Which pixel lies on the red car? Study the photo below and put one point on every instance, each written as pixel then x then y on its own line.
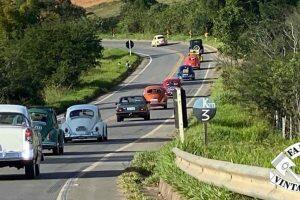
pixel 193 61
pixel 156 96
pixel 169 84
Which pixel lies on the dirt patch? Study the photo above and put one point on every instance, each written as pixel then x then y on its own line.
pixel 90 3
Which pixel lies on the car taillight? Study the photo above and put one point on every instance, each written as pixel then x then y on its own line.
pixel 120 110
pixel 143 109
pixel 28 135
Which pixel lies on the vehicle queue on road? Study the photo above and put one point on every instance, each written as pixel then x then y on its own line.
pixel 25 132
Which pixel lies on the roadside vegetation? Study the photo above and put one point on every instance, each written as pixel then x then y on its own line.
pixel 261 38
pixel 257 95
pixel 44 44
pixel 237 134
pixel 95 81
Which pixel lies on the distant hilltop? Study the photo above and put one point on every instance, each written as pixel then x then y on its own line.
pixel 90 3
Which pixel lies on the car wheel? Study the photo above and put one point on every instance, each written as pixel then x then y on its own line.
pixel 55 150
pixel 30 170
pixel 100 139
pixel 61 150
pixel 120 119
pixel 106 135
pixel 166 106
pixel 37 169
pixel 147 117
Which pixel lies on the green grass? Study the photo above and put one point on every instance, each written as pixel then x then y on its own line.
pixel 133 179
pixel 106 10
pixel 94 82
pixel 236 134
pixel 113 9
pixel 149 36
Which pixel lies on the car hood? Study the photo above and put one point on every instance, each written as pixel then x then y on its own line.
pixel 74 123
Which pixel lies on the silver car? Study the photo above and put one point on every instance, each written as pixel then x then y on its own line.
pixel 84 122
pixel 20 143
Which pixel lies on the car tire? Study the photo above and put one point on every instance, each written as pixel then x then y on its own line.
pixel 30 170
pixel 61 150
pixel 106 135
pixel 100 139
pixel 37 169
pixel 55 151
pixel 120 119
pixel 147 117
pixel 166 106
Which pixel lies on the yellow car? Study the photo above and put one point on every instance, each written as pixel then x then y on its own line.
pixel 159 40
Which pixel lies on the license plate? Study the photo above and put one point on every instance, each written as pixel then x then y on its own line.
pixel 131 108
pixel 185 71
pixel 154 100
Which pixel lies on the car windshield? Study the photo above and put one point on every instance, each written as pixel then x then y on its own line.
pixel 13 119
pixel 160 37
pixel 132 100
pixel 39 117
pixel 82 113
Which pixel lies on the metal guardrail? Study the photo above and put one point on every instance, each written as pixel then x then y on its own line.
pixel 247 180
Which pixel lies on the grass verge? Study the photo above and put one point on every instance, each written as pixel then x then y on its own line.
pixel 236 134
pixel 149 36
pixel 94 82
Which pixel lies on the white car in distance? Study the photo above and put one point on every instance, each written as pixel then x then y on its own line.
pixel 20 143
pixel 159 40
pixel 84 122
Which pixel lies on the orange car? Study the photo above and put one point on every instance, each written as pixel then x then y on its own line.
pixel 193 61
pixel 156 96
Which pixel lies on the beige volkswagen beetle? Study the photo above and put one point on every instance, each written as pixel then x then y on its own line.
pixel 159 40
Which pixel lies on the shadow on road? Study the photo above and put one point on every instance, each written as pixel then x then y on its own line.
pixel 149 123
pixel 64 175
pixel 88 159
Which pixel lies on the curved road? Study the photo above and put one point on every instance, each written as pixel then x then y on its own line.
pixel 88 170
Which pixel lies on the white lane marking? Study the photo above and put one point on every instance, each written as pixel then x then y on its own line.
pixel 65 189
pixel 129 82
pixel 124 86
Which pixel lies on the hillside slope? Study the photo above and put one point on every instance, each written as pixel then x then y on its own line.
pixel 90 3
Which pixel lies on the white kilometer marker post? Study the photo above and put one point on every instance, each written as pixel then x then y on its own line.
pixel 180 115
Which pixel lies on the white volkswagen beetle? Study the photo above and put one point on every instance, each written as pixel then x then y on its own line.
pixel 159 40
pixel 84 122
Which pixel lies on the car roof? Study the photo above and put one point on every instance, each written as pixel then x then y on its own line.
pixel 184 66
pixel 200 40
pixel 153 87
pixel 172 79
pixel 132 96
pixel 13 109
pixel 83 106
pixel 42 109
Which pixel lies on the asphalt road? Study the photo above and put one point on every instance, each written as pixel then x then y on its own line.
pixel 88 170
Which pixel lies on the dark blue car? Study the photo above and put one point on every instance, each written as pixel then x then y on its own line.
pixel 186 72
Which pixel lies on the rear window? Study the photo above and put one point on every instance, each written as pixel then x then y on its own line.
pixel 39 117
pixel 130 100
pixel 13 119
pixel 154 91
pixel 173 83
pixel 82 113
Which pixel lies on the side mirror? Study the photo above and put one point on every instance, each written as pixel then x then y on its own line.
pixel 116 103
